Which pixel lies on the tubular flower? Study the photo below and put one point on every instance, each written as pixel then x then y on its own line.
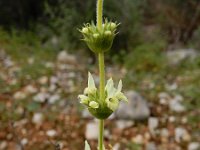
pixel 103 108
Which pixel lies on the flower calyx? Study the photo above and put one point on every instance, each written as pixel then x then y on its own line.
pixel 99 40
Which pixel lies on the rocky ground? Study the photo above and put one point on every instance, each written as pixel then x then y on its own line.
pixel 44 113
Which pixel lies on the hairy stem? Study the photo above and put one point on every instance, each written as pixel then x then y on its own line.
pixel 101 130
pixel 101 73
pixel 102 92
pixel 101 76
pixel 99 14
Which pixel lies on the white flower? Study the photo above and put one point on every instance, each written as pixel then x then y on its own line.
pixel 84 99
pixel 91 98
pixel 114 95
pixel 91 89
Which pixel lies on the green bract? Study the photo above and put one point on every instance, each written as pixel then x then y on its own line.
pixel 102 108
pixel 99 40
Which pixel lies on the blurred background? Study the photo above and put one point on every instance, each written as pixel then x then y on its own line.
pixel 44 65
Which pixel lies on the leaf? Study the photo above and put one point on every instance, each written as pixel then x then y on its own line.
pixel 87 146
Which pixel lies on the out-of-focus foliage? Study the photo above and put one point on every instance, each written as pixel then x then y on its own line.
pixel 56 21
pixel 147 57
pixel 179 18
pixel 20 13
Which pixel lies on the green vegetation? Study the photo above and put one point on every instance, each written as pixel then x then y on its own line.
pixel 27 50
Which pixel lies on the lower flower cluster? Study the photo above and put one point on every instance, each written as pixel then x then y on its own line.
pixel 102 108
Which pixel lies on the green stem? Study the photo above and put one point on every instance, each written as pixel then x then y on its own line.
pixel 101 130
pixel 99 14
pixel 101 76
pixel 101 73
pixel 102 92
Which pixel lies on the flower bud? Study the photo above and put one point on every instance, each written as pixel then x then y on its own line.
pixel 85 30
pixel 113 25
pixel 84 99
pixel 96 35
pixel 108 33
pixel 94 104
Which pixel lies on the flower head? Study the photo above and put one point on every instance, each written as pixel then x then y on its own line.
pixel 105 107
pixel 99 40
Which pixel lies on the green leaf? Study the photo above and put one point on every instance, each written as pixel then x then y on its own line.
pixel 87 146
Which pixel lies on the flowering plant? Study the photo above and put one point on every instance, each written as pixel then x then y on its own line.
pixel 102 102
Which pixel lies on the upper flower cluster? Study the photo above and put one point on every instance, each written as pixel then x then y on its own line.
pixel 102 108
pixel 99 40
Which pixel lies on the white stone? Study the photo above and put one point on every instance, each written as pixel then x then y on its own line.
pixel 176 56
pixel 164 132
pixel 38 118
pixel 41 97
pixel 24 141
pixel 30 89
pixel 19 95
pixel 136 109
pixel 64 57
pixel 122 124
pixel 53 99
pixel 151 146
pixel 91 132
pixel 178 98
pixel 194 146
pixel 171 87
pixel 164 98
pixel 184 120
pixel 31 60
pixel 181 134
pixel 163 101
pixel 116 146
pixel 3 145
pixel 176 106
pixel 54 80
pixel 20 110
pixel 138 139
pixel 49 65
pixel 8 62
pixel 86 114
pixel 52 88
pixel 172 119
pixel 43 80
pixel 51 133
pixel 153 124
